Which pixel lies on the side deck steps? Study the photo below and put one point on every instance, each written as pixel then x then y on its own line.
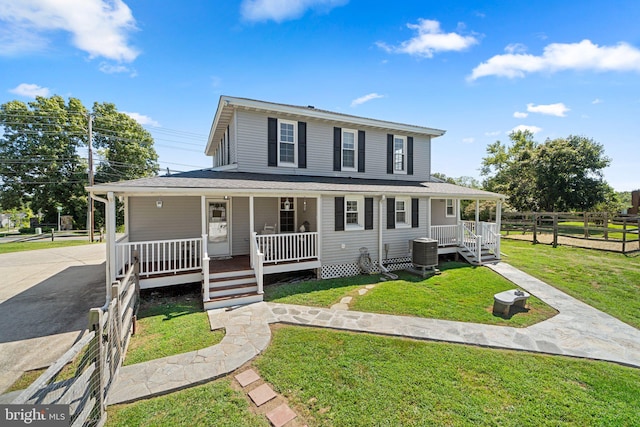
pixel 487 257
pixel 232 288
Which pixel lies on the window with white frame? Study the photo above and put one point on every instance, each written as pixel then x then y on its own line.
pixel 402 208
pixel 287 139
pixel 451 208
pixel 399 154
pixel 349 149
pixel 354 213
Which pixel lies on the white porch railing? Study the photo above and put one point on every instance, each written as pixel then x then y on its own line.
pixel 491 237
pixel 471 241
pixel 160 256
pixel 446 235
pixel 287 247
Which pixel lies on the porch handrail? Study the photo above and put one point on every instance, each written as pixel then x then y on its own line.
pixel 257 261
pixel 491 237
pixel 161 256
pixel 287 247
pixel 205 269
pixel 446 235
pixel 471 241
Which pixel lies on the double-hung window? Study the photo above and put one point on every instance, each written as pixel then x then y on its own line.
pixel 451 208
pixel 349 149
pixel 399 154
pixel 354 213
pixel 402 216
pixel 287 139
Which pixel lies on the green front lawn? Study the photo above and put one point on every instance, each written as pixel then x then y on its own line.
pixel 169 325
pixel 607 281
pixel 31 246
pixel 462 292
pixel 343 379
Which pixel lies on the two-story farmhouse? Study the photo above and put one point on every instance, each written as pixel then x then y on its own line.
pixel 291 188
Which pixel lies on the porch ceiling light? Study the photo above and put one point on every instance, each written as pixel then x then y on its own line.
pixel 159 204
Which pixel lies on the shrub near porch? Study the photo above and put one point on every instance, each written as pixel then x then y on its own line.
pixel 461 293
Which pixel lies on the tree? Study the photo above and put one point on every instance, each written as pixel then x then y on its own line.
pixel 43 161
pixel 39 161
pixel 563 174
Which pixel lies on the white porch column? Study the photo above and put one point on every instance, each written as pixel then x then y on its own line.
pixel 498 225
pixel 380 229
pixel 478 231
pixel 203 213
pixel 126 214
pixel 252 234
pixel 110 214
pixel 319 225
pixel 429 217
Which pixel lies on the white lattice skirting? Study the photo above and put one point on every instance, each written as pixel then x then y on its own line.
pixel 349 270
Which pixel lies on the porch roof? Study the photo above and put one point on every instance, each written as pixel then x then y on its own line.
pixel 215 182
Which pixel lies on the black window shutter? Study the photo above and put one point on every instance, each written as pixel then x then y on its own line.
pixel 389 153
pixel 302 145
pixel 361 146
pixel 391 212
pixel 410 155
pixel 339 216
pixel 368 213
pixel 414 213
pixel 272 142
pixel 337 149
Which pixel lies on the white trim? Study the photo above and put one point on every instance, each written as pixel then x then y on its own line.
pixel 360 211
pixel 229 167
pixel 446 208
pixel 294 124
pixel 404 155
pixel 407 212
pixel 353 168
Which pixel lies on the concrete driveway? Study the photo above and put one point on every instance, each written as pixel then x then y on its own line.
pixel 45 297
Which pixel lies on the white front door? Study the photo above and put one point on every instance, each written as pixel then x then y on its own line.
pixel 218 228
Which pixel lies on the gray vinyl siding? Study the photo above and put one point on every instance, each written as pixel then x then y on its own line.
pixel 398 238
pixel 332 252
pixel 179 218
pixel 265 212
pixel 251 140
pixel 233 154
pixel 439 213
pixel 240 226
pixel 309 215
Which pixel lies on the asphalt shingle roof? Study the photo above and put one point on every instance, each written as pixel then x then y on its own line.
pixel 246 182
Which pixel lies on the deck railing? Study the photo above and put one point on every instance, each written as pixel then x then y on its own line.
pixel 446 235
pixel 469 240
pixel 491 237
pixel 160 256
pixel 289 247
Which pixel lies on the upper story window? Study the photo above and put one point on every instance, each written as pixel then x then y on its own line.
pixel 349 149
pixel 402 216
pixel 287 140
pixel 399 154
pixel 451 208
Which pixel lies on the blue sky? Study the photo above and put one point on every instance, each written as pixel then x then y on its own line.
pixel 477 69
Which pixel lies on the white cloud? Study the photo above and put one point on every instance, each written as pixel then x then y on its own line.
pixel 520 115
pixel 142 119
pixel 283 10
pixel 562 56
pixel 558 110
pixel 429 40
pixel 366 98
pixel 469 140
pixel 29 90
pixel 492 133
pixel 515 48
pixel 597 101
pixel 532 129
pixel 98 27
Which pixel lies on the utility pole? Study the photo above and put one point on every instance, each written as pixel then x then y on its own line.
pixel 90 210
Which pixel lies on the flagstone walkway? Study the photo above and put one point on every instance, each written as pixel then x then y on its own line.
pixel 578 330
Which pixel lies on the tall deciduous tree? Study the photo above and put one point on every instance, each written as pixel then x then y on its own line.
pixel 43 159
pixel 562 174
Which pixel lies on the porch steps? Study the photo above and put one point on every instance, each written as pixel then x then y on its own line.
pixel 486 256
pixel 231 288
